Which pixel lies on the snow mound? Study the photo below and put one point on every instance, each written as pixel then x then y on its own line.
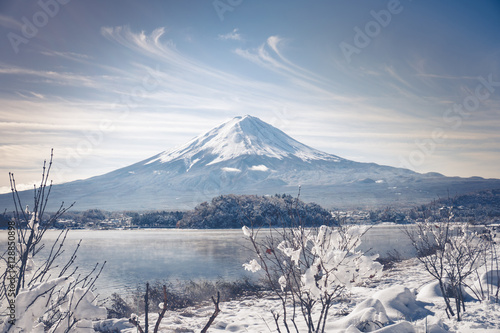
pixel 112 325
pixel 386 306
pixel 401 327
pixel 433 325
pixel 490 279
pixel 432 293
pixel 400 302
pixel 369 315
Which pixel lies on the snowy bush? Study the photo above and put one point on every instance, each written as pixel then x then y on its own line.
pixel 313 267
pixel 43 298
pixel 452 253
pixel 56 306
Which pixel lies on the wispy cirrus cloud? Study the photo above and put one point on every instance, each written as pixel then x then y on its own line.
pixel 269 56
pixel 10 23
pixel 233 35
pixel 191 95
pixel 52 76
pixel 30 94
pixel 237 88
pixel 67 55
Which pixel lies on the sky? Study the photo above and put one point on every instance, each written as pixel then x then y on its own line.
pixel 412 84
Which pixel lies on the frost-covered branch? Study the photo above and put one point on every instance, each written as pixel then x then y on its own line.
pixel 43 303
pixel 452 253
pixel 312 266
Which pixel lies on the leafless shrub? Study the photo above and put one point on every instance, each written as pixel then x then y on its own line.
pixel 181 295
pixel 163 309
pixel 314 266
pixel 451 252
pixel 61 287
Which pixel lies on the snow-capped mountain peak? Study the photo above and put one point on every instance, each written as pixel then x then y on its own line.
pixel 245 155
pixel 241 136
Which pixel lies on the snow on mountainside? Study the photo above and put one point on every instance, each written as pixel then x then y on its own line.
pixel 238 137
pixel 248 156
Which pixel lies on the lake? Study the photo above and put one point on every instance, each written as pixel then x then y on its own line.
pixel 136 256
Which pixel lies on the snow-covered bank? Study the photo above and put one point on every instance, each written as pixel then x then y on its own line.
pixel 401 301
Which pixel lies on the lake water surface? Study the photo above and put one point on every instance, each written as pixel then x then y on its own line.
pixel 136 256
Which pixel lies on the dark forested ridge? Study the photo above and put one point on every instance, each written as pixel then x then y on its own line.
pixel 233 211
pixel 477 208
pixel 163 219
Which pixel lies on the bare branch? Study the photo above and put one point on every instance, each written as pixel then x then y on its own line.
pixel 214 315
pixel 162 313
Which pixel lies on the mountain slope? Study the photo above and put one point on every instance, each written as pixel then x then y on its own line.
pixel 248 156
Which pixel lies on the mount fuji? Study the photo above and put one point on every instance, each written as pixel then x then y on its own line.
pixel 248 156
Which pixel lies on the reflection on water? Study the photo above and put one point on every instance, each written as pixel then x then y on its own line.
pixel 136 256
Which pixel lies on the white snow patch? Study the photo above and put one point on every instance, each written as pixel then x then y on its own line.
pixel 191 164
pixel 227 169
pixel 489 280
pixel 260 167
pixel 431 292
pixel 368 315
pixel 246 231
pixel 400 302
pixel 34 303
pixel 253 266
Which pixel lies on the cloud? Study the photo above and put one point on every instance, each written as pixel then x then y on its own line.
pixel 37 95
pixel 142 43
pixel 447 77
pixel 186 85
pixel 67 55
pixel 10 23
pixel 19 187
pixel 53 77
pixel 270 56
pixel 30 94
pixel 233 35
pixel 371 112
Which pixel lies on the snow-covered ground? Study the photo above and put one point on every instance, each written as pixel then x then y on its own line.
pixel 403 299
